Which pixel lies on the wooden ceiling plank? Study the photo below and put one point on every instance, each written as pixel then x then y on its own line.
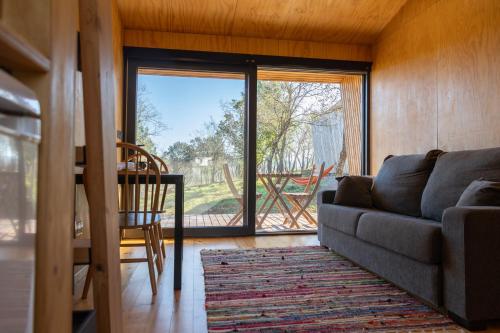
pixel 336 21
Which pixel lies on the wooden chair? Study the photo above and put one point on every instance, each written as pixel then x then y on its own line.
pixel 139 205
pixel 311 180
pixel 300 201
pixel 161 209
pixel 236 194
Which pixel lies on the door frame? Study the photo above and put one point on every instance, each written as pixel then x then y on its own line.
pixel 135 57
pixel 132 67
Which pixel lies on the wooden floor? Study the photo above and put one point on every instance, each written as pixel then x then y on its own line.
pixel 273 222
pixel 180 312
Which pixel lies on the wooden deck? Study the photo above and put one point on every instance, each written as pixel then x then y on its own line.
pixel 273 222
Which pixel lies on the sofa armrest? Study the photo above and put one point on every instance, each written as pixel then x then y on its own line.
pixel 471 262
pixel 325 197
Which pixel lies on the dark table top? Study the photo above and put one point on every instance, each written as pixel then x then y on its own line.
pixel 170 178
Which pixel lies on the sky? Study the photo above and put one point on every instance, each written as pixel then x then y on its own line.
pixel 186 104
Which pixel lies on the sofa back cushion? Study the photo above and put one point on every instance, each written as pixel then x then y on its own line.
pixel 481 193
pixel 354 191
pixel 400 182
pixel 453 173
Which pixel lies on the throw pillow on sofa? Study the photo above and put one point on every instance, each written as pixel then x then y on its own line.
pixel 452 174
pixel 354 191
pixel 481 193
pixel 400 182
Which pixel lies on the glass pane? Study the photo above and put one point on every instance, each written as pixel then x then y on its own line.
pixel 308 133
pixel 195 121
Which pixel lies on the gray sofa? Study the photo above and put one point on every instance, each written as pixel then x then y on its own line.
pixel 448 256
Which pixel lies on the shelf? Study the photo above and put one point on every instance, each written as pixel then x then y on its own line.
pixel 19 54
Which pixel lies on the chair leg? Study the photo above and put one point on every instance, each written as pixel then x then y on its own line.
pixel 158 245
pixel 88 279
pixel 293 218
pixel 309 218
pixel 301 209
pixel 162 241
pixel 151 266
pixel 156 248
pixel 235 218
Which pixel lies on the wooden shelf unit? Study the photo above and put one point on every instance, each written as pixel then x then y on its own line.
pixel 18 54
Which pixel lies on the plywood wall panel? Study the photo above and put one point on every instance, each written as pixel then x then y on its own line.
pixel 245 45
pixel 404 102
pixel 435 79
pixel 469 75
pixel 118 64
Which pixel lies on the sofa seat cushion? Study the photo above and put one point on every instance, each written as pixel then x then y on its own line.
pixel 453 173
pixel 413 237
pixel 341 218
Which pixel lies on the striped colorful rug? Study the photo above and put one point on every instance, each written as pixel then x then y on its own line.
pixel 306 289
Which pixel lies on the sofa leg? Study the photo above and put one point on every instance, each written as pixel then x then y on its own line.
pixel 471 325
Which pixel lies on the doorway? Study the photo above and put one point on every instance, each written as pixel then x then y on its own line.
pixel 212 117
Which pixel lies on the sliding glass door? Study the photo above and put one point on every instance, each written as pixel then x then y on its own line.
pixel 309 132
pixel 256 137
pixel 195 119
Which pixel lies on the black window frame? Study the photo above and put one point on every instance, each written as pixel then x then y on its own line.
pixel 136 57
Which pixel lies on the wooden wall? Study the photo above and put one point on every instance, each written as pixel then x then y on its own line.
pixel 118 79
pixel 246 45
pixel 435 79
pixel 118 64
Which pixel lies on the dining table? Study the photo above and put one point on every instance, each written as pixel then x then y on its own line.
pixel 274 183
pixel 165 178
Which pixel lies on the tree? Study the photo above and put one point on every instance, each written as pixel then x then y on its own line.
pixel 232 127
pixel 180 152
pixel 283 108
pixel 148 121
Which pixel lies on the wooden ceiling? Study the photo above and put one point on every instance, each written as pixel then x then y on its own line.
pixel 338 21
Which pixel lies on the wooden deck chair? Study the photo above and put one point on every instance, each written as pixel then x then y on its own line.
pixel 300 201
pixel 312 180
pixel 239 197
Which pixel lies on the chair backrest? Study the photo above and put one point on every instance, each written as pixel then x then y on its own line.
pixel 311 179
pixel 163 170
pixel 318 180
pixel 229 181
pixel 136 198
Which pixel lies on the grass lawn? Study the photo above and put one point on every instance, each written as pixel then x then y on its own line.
pixel 216 198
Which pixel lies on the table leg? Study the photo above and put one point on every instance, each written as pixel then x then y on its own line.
pixel 275 193
pixel 271 193
pixel 282 202
pixel 178 234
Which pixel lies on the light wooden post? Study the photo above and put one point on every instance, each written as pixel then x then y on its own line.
pixel 98 96
pixel 55 89
pixel 351 99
